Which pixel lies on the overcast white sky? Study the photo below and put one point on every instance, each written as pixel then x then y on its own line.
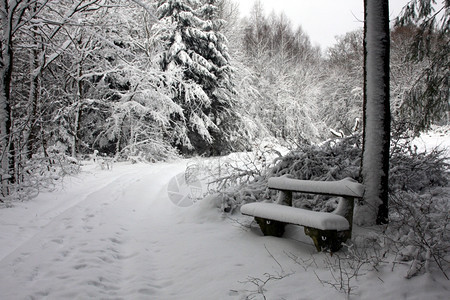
pixel 322 20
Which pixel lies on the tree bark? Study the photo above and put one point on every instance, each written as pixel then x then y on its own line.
pixel 33 99
pixel 375 161
pixel 78 111
pixel 6 65
pixel 33 96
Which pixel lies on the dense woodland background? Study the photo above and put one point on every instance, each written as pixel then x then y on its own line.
pixel 152 80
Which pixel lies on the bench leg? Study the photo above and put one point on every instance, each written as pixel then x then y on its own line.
pixel 271 227
pixel 330 240
pixel 285 198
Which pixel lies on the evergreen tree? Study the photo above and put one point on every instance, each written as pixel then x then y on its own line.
pixel 189 31
pixel 428 100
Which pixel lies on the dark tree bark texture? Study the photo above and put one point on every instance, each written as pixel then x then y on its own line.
pixel 375 162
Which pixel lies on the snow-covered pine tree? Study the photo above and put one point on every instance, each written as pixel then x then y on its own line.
pixel 189 30
pixel 221 92
pixel 427 100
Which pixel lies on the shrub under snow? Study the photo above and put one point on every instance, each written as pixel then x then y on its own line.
pixel 419 208
pixel 332 160
pixel 419 229
pixel 39 173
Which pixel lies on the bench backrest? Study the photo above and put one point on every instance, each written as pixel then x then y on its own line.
pixel 347 187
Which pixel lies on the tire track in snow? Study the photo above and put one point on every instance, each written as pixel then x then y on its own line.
pixel 90 250
pixel 140 277
pixel 42 217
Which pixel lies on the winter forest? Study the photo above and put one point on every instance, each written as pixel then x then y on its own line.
pixel 245 98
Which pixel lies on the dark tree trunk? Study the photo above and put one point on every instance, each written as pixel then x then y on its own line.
pixel 33 96
pixel 375 162
pixel 6 65
pixel 33 99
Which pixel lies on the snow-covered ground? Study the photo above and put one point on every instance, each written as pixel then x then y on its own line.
pixel 116 234
pixel 436 137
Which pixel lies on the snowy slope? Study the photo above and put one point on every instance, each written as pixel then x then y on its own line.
pixel 116 235
pixel 437 137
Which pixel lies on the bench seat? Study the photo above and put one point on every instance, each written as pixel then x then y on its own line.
pixel 327 230
pixel 296 216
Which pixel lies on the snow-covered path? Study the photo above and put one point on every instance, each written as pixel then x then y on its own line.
pixel 116 235
pixel 97 246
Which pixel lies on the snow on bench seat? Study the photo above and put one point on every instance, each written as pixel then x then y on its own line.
pixel 297 216
pixel 344 187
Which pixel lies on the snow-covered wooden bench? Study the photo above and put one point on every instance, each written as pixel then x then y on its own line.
pixel 327 230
